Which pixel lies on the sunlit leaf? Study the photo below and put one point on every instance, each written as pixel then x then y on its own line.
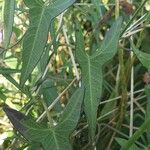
pixel 35 39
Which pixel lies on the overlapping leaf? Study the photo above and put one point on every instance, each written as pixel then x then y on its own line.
pixel 9 10
pixel 56 137
pixel 91 67
pixel 35 39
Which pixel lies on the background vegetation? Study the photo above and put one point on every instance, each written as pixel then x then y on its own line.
pixel 75 74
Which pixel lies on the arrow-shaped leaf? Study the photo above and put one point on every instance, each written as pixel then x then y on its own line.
pixel 91 67
pixel 40 16
pixel 56 137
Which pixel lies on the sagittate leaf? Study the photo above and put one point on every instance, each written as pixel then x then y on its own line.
pixel 40 17
pixel 144 58
pixel 56 137
pixel 9 10
pixel 91 67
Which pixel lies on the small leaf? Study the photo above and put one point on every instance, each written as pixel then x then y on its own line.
pixel 147 91
pixel 143 57
pixel 35 39
pixel 9 10
pixel 91 67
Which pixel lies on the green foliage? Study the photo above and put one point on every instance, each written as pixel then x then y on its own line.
pixel 92 70
pixel 35 39
pixel 143 57
pixel 71 73
pixel 55 137
pixel 123 142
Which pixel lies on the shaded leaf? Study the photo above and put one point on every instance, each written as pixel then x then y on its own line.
pixel 9 10
pixel 36 36
pixel 143 57
pixel 4 70
pixel 122 142
pixel 15 118
pixel 136 135
pixel 49 92
pixel 91 67
pixel 147 91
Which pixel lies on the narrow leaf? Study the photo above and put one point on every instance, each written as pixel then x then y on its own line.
pixel 123 142
pixel 4 70
pixel 9 10
pixel 147 91
pixel 143 57
pixel 136 135
pixel 35 39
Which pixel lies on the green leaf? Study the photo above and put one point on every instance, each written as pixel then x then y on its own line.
pixel 147 91
pixel 4 70
pixel 143 57
pixel 49 92
pixel 91 67
pixel 123 142
pixel 71 113
pixel 136 135
pixel 24 90
pixel 9 10
pixel 35 39
pixel 56 137
pixel 2 95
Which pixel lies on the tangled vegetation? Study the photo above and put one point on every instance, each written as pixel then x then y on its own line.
pixel 75 74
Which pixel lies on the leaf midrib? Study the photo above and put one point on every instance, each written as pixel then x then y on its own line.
pixel 37 30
